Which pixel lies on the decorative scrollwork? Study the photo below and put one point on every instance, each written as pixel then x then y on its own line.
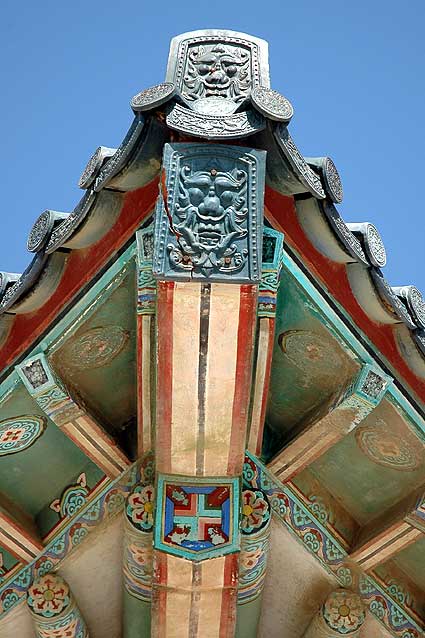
pixel 415 302
pixel 272 104
pixel 301 169
pixel 214 127
pixel 40 232
pixel 153 97
pixel 94 165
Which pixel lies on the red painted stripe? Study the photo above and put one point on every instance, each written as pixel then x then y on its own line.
pixel 266 385
pixel 243 378
pixel 280 211
pixel 82 265
pixel 164 404
pixel 229 598
pixel 139 372
pixel 159 595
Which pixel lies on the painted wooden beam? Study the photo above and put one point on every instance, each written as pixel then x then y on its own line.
pixel 354 404
pixel 146 310
pixel 342 613
pixel 138 561
pixel 72 418
pixel 18 534
pixel 266 313
pixel 54 610
pixel 387 536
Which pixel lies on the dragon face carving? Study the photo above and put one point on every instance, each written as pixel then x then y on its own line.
pixel 212 207
pixel 218 70
pixel 209 213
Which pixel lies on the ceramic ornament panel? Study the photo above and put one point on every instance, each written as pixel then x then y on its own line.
pixel 197 518
pixel 209 215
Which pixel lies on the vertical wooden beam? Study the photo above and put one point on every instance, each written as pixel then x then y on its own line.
pixel 266 313
pixel 72 419
pixel 146 310
pixel 354 404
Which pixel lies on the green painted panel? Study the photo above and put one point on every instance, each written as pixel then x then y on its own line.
pixel 248 618
pixel 412 561
pixel 33 477
pixel 98 361
pixel 136 617
pixel 375 466
pixel 310 365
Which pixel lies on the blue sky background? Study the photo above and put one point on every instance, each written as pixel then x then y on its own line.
pixel 353 70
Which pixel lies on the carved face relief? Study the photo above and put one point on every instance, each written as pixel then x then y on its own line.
pixel 212 206
pixel 209 213
pixel 217 70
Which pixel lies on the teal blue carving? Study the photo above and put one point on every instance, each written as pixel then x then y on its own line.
pixel 197 518
pixel 20 432
pixel 271 266
pixel 209 216
pixel 146 283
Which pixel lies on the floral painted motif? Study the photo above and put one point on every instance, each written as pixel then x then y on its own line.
pixel 387 448
pixel 19 433
pixel 73 498
pixel 95 347
pixel 343 612
pixel 48 596
pixel 140 507
pixel 255 511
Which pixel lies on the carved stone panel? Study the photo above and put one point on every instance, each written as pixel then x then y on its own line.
pixel 217 63
pixel 209 216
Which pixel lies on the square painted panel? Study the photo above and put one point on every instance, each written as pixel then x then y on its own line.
pixel 197 518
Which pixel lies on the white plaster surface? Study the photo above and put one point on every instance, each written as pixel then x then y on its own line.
pixel 296 585
pixel 93 572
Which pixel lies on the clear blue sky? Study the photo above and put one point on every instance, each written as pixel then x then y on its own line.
pixel 353 70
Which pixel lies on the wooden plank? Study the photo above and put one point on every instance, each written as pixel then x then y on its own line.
pixel 18 538
pixel 387 536
pixel 57 403
pixel 355 403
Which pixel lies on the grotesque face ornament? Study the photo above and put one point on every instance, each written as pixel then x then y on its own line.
pixel 212 209
pixel 217 64
pixel 217 70
pixel 209 213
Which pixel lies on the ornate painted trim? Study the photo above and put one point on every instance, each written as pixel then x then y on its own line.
pixel 272 256
pixel 209 215
pixel 108 503
pixel 138 542
pixel 214 127
pixel 146 282
pixel 322 545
